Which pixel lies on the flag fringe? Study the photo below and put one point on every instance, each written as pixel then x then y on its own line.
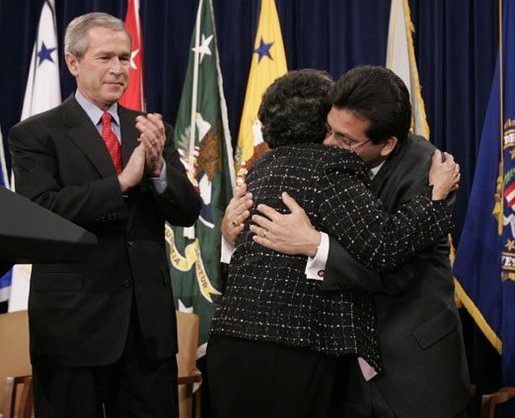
pixel 478 317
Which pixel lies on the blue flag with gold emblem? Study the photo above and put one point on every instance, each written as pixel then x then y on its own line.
pixel 485 259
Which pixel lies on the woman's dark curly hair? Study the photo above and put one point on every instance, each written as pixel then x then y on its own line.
pixel 294 108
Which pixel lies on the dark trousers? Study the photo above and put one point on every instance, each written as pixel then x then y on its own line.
pixel 361 399
pixel 251 379
pixel 135 386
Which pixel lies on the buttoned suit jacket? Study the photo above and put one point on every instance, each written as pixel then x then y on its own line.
pixel 79 313
pixel 425 371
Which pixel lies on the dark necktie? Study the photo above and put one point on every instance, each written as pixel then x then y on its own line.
pixel 112 143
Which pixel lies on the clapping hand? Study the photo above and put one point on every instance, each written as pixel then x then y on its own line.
pixel 153 139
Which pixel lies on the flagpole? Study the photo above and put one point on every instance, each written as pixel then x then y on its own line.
pixel 194 91
pixel 225 121
pixel 501 105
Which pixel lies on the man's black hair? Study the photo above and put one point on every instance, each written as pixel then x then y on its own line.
pixel 380 96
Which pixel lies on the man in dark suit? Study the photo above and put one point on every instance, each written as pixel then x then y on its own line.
pixel 103 332
pixel 425 372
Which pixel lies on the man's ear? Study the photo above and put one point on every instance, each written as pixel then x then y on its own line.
pixel 71 62
pixel 388 146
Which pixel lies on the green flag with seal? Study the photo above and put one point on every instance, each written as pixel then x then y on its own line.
pixel 204 143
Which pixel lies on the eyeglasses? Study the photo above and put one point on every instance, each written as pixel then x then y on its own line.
pixel 351 145
pixel 345 141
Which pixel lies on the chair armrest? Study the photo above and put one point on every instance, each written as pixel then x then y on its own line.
pixel 194 377
pixel 490 400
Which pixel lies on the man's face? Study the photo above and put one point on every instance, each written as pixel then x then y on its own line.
pixel 102 74
pixel 347 130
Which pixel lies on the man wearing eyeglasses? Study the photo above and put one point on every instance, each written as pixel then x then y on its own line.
pixel 425 372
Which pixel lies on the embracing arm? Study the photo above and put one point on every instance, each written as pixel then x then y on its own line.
pixel 237 211
pixel 293 234
pixel 379 240
pixel 343 271
pixel 337 269
pixel 353 216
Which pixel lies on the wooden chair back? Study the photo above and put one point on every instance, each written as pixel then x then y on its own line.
pixel 14 359
pixel 19 397
pixel 189 375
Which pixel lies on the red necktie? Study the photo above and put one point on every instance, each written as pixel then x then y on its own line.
pixel 112 143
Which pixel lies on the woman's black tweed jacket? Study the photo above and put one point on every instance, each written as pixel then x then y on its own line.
pixel 269 298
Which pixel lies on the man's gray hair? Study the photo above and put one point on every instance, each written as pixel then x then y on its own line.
pixel 76 40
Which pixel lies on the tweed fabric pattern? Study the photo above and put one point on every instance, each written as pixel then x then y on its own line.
pixel 269 298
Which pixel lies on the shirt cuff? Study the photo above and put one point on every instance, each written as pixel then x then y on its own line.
pixel 315 266
pixel 227 251
pixel 160 182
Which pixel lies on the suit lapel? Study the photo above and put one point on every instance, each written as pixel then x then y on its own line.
pixel 388 183
pixel 378 181
pixel 385 183
pixel 85 135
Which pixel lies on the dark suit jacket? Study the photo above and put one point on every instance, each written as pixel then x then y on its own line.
pixel 268 297
pixel 425 371
pixel 79 313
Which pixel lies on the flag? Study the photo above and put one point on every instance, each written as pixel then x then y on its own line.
pixel 134 98
pixel 268 63
pixel 204 143
pixel 43 92
pixel 5 286
pixel 400 58
pixel 485 259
